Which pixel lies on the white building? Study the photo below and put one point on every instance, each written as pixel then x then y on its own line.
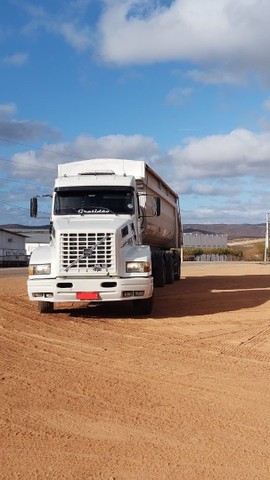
pixel 36 239
pixel 12 248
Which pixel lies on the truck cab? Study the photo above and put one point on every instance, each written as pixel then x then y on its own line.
pixel 95 252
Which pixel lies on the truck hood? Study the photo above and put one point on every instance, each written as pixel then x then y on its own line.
pixel 90 223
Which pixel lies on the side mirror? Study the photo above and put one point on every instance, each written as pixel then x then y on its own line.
pixel 33 207
pixel 158 206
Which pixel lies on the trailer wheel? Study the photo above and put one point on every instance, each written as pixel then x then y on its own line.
pixel 159 270
pixel 143 306
pixel 177 271
pixel 169 268
pixel 45 307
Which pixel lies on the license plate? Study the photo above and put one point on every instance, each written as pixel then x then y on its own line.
pixel 87 295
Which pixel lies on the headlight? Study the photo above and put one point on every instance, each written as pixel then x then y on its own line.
pixel 137 267
pixel 39 269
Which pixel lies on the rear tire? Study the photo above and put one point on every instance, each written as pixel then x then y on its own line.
pixel 45 307
pixel 143 306
pixel 169 268
pixel 177 270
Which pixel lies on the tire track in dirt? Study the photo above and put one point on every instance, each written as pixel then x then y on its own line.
pixel 97 394
pixel 255 346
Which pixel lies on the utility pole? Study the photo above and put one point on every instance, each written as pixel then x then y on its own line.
pixel 266 244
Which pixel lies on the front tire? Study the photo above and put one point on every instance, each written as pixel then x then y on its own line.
pixel 45 307
pixel 159 269
pixel 143 306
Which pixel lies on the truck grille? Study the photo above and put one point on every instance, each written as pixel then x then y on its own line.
pixel 84 252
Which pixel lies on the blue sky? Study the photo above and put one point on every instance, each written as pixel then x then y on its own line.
pixel 181 84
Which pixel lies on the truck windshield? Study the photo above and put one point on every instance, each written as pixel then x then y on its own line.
pixel 82 202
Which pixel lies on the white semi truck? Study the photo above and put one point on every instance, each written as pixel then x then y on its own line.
pixel 115 234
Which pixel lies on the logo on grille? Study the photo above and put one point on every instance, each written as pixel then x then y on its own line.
pixel 100 266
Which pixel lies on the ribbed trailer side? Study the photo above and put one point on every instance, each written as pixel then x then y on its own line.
pixel 163 231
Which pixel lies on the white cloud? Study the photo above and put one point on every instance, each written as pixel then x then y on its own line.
pixel 69 23
pixel 119 146
pixel 16 60
pixel 213 189
pixel 230 34
pixel 215 76
pixel 239 214
pixel 38 166
pixel 266 104
pixel 177 96
pixel 28 164
pixel 219 177
pixel 7 109
pixel 238 153
pixel 25 130
pixel 78 37
pixel 13 130
pixel 226 39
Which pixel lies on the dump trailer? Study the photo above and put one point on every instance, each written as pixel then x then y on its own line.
pixel 115 235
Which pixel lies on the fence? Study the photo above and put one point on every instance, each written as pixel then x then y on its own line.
pixel 14 260
pixel 211 257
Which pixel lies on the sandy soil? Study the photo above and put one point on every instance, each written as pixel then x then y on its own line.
pixel 96 394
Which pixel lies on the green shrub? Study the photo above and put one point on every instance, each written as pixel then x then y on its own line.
pixel 190 253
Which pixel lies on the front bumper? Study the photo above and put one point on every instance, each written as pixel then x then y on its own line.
pixel 108 290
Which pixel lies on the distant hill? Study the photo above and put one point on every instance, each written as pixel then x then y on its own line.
pixel 232 231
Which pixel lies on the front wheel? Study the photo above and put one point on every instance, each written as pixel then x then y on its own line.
pixel 45 307
pixel 159 269
pixel 143 306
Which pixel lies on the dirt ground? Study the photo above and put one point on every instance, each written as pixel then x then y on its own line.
pixel 96 394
